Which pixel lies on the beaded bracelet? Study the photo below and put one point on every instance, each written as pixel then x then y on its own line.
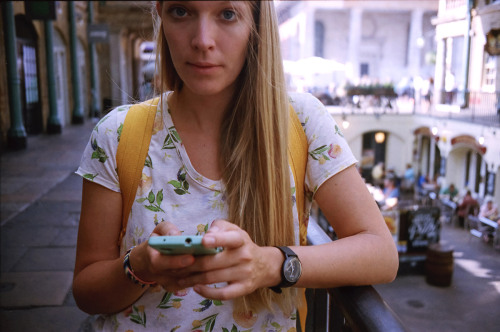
pixel 130 273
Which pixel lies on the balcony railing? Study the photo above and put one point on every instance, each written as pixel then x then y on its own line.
pixel 452 4
pixel 473 107
pixel 357 308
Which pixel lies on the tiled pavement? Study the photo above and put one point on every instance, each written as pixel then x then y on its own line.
pixel 40 206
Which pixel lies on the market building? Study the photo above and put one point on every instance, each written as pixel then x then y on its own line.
pixel 449 135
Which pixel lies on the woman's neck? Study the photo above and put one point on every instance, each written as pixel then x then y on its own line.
pixel 202 113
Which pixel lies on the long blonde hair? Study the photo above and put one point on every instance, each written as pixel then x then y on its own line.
pixel 254 138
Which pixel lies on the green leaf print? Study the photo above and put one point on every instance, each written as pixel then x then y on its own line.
pixel 89 176
pixel 181 186
pixel 206 303
pixel 138 316
pixel 148 162
pixel 175 183
pixel 98 153
pixel 166 303
pixel 208 322
pixel 234 329
pixel 154 200
pixel 172 137
pixel 337 131
pixel 159 197
pixel 319 153
pixel 151 197
pixel 119 131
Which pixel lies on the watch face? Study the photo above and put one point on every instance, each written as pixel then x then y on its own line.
pixel 292 269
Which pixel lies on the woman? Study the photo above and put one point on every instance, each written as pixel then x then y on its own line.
pixel 221 129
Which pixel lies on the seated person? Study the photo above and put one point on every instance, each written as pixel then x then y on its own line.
pixel 451 192
pixel 408 178
pixel 466 207
pixel 391 193
pixel 489 210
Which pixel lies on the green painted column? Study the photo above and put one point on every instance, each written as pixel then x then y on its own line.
pixel 16 135
pixel 53 123
pixel 75 74
pixel 94 103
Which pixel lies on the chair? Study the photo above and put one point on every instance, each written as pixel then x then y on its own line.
pixel 470 210
pixel 474 226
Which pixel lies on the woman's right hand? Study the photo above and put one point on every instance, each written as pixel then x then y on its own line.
pixel 150 265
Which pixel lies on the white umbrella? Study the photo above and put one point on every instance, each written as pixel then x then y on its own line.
pixel 313 65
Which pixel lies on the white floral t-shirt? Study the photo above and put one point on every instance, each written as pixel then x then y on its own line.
pixel 172 190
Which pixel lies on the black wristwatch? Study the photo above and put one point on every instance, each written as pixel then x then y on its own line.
pixel 290 271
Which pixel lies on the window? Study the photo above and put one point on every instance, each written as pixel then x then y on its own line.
pixel 489 73
pixel 364 69
pixel 319 39
pixel 30 74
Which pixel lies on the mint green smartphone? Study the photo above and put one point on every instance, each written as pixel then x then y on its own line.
pixel 181 245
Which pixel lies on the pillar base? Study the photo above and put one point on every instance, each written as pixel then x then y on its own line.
pixel 77 119
pixel 17 142
pixel 54 128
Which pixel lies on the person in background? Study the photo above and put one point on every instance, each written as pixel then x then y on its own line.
pixel 451 192
pixel 378 174
pixel 489 210
pixel 466 207
pixel 218 167
pixel 391 192
pixel 408 178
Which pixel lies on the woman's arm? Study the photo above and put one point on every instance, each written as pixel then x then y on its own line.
pixel 365 252
pixel 100 284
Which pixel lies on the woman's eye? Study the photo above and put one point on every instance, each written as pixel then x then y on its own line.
pixel 178 11
pixel 229 15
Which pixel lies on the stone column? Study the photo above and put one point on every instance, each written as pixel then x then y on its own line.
pixel 414 48
pixel 75 74
pixel 16 135
pixel 354 43
pixel 95 110
pixel 53 123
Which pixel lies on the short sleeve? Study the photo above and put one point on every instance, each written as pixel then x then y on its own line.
pixel 98 163
pixel 328 151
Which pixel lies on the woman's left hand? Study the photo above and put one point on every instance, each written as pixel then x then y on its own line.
pixel 243 265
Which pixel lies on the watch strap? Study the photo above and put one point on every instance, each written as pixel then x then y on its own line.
pixel 284 283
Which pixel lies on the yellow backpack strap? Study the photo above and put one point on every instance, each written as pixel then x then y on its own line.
pixel 297 157
pixel 132 152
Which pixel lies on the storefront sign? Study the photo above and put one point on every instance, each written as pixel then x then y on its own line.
pixel 470 141
pixel 98 33
pixel 492 45
pixel 421 228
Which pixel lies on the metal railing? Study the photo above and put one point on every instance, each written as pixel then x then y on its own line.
pixel 358 308
pixel 473 107
pixel 476 107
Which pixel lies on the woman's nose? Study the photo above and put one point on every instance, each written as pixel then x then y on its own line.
pixel 204 38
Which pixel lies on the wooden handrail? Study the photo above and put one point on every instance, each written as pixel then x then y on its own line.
pixel 354 308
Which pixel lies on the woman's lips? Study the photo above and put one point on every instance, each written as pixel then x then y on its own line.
pixel 203 67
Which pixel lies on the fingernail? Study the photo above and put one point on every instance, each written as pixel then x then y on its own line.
pixel 209 240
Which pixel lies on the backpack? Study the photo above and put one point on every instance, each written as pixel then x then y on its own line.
pixel 133 149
